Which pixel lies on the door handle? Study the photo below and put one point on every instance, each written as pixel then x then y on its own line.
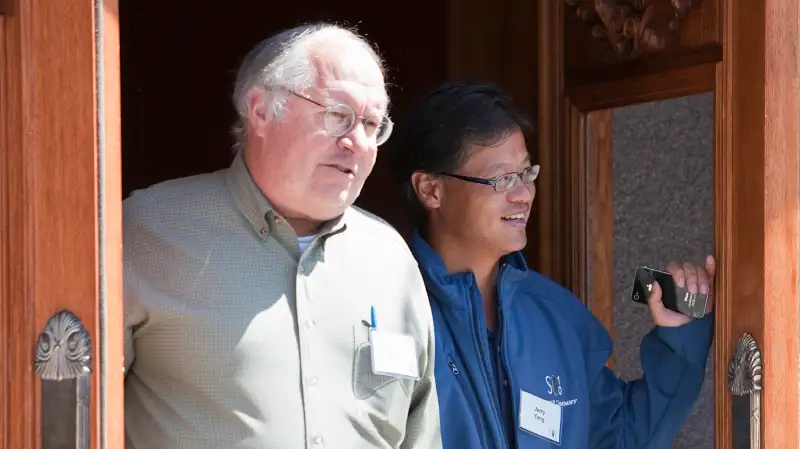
pixel 63 361
pixel 744 378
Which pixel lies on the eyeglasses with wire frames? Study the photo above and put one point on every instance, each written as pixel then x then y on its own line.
pixel 503 182
pixel 339 119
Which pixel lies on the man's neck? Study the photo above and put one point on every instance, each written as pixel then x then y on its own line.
pixel 304 228
pixel 459 258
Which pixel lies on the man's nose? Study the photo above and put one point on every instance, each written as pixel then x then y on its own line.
pixel 356 140
pixel 521 192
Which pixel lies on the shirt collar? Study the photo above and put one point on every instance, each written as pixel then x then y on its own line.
pixel 256 208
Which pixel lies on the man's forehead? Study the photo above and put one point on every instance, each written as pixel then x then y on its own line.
pixel 373 98
pixel 348 72
pixel 507 155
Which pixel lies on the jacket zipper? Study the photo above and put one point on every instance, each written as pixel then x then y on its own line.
pixel 503 359
pixel 473 405
pixel 485 374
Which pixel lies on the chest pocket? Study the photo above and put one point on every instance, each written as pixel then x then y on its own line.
pixel 383 398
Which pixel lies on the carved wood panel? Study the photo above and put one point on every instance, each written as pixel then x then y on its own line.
pixel 634 28
pixel 612 39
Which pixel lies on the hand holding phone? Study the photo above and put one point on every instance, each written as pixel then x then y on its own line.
pixel 675 298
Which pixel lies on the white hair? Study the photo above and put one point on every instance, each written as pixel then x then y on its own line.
pixel 281 64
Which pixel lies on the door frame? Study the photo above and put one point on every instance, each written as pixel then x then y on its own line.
pixel 60 205
pixel 753 72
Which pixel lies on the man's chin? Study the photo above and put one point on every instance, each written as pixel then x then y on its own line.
pixel 517 243
pixel 326 209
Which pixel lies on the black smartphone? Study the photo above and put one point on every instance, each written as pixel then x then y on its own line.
pixel 675 298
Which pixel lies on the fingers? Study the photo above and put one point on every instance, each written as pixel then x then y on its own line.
pixel 691 277
pixel 702 281
pixel 711 268
pixel 694 279
pixel 654 300
pixel 677 274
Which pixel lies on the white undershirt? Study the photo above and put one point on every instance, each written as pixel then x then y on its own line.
pixel 303 242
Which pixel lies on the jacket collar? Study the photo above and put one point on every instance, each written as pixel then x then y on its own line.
pixel 453 290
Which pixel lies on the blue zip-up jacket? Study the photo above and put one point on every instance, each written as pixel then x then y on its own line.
pixel 551 347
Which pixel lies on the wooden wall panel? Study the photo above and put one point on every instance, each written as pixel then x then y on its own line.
pixel 52 177
pixel 757 189
pixel 656 86
pixel 5 386
pixel 552 217
pixel 575 201
pixel 110 306
pixel 18 288
pixel 600 211
pixel 494 41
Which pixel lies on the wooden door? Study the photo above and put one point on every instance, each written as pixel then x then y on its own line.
pixel 594 56
pixel 60 245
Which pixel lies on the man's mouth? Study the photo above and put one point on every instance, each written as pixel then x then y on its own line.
pixel 514 218
pixel 343 169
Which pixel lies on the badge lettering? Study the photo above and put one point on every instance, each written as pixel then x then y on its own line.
pixel 540 417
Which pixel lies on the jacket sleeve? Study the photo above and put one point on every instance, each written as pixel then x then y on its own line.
pixel 649 412
pixel 422 426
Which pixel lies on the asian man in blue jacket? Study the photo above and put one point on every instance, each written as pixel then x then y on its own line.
pixel 520 362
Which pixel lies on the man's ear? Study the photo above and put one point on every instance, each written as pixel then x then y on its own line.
pixel 257 111
pixel 428 189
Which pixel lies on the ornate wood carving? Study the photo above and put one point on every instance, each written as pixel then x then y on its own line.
pixel 64 349
pixel 64 356
pixel 633 27
pixel 744 379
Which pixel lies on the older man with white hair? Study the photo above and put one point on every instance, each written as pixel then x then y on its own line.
pixel 262 309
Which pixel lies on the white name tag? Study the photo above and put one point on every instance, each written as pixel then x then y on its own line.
pixel 393 354
pixel 540 417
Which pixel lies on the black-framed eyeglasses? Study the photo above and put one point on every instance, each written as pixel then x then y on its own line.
pixel 340 119
pixel 503 182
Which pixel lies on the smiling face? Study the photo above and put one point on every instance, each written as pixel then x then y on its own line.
pixel 307 174
pixel 474 216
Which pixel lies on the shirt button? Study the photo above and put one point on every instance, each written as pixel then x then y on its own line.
pixel 505 382
pixel 312 380
pixel 309 323
pixel 318 440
